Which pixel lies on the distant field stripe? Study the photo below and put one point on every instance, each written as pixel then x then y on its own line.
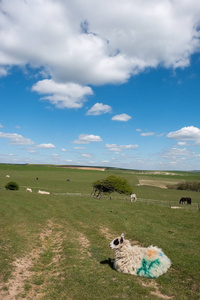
pixel 68 194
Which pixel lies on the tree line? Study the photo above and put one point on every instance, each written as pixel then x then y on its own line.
pixel 188 186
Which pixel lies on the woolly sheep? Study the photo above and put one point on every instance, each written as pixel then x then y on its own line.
pixel 43 192
pixel 29 190
pixel 133 197
pixel 148 262
pixel 8 176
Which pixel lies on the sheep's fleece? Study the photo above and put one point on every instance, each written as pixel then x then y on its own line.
pixel 146 262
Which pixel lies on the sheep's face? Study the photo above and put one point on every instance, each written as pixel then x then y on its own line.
pixel 117 242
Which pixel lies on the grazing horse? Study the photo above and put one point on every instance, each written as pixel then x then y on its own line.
pixel 185 199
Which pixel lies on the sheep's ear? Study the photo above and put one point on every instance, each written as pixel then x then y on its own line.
pixel 122 238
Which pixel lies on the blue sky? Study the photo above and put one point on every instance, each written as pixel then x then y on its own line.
pixel 112 84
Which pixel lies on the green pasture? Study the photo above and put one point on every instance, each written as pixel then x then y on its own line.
pixel 57 245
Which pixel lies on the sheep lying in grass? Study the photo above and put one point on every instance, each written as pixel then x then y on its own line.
pixel 43 192
pixel 148 262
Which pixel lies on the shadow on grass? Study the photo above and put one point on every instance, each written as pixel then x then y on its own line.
pixel 108 261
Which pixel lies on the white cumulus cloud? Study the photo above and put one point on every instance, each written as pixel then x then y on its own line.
pixel 86 155
pixel 62 95
pixel 16 139
pixel 69 41
pixel 99 109
pixel 119 148
pixel 122 118
pixel 189 133
pixel 181 143
pixel 79 148
pixel 45 146
pixel 147 133
pixel 175 153
pixel 87 138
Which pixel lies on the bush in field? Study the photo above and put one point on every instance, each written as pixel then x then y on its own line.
pixel 187 186
pixel 111 184
pixel 13 186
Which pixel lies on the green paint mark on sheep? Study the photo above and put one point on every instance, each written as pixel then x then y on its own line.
pixel 147 267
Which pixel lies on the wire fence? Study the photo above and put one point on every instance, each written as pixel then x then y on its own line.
pixel 174 204
pixel 67 194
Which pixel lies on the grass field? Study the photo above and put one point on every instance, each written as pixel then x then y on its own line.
pixel 57 246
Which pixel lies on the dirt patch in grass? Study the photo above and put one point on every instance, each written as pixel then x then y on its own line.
pixel 25 275
pixel 34 274
pixel 85 168
pixel 160 184
pixel 85 244
pixel 15 285
pixel 105 231
pixel 153 284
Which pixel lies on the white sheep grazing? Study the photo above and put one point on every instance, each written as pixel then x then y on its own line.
pixel 29 190
pixel 148 262
pixel 133 197
pixel 43 192
pixel 8 176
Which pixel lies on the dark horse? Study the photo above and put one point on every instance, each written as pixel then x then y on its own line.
pixel 187 199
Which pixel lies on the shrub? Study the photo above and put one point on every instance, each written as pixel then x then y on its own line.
pixel 13 186
pixel 111 184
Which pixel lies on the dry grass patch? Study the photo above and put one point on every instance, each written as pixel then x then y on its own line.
pixel 85 244
pixel 85 168
pixel 157 183
pixel 105 231
pixel 153 284
pixel 15 285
